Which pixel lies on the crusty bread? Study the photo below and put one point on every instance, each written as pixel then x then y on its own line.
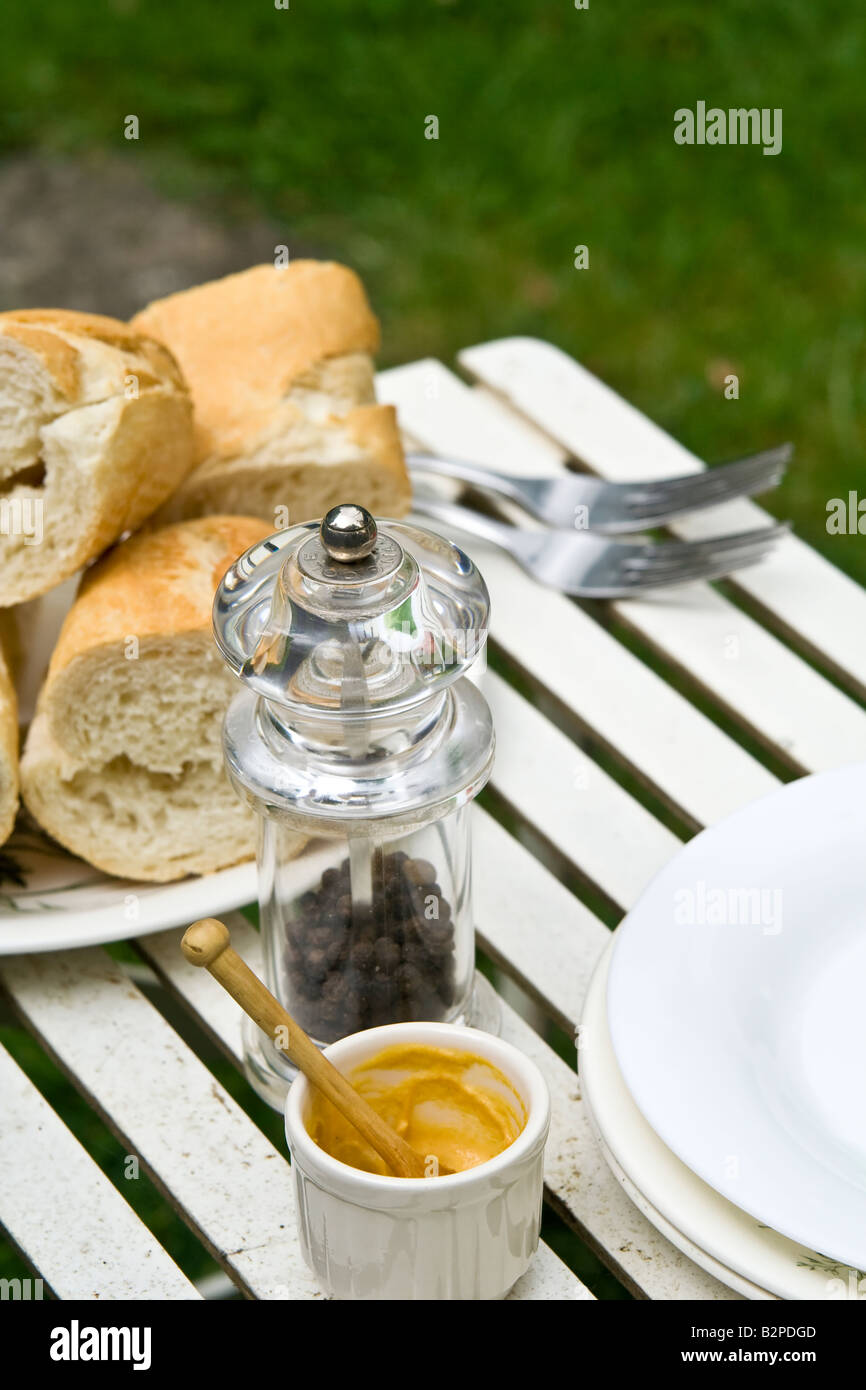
pixel 8 749
pixel 279 363
pixel 95 433
pixel 123 762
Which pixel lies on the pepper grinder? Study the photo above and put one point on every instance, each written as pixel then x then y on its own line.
pixel 358 737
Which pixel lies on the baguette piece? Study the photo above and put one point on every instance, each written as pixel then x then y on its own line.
pixel 123 763
pixel 8 749
pixel 95 433
pixel 280 366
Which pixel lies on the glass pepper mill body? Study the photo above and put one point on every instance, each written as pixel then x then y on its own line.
pixel 358 737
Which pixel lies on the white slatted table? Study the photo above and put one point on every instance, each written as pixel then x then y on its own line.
pixel 741 646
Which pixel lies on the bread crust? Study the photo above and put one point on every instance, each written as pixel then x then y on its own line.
pixel 102 411
pixel 374 428
pixel 279 363
pixel 157 584
pixel 244 340
pixel 42 330
pixel 9 780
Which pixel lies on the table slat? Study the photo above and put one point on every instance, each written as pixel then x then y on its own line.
pixel 215 1166
pixel 65 1216
pixel 531 924
pixel 610 838
pixel 549 1280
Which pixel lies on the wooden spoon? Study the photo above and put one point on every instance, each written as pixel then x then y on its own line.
pixel 208 943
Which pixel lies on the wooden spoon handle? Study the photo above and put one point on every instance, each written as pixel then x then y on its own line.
pixel 208 943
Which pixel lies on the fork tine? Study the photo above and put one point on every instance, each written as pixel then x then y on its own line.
pixel 666 506
pixel 777 457
pixel 677 553
pixel 754 474
pixel 712 567
pixel 700 570
pixel 783 452
pixel 698 573
pixel 658 512
pixel 731 551
pixel 717 562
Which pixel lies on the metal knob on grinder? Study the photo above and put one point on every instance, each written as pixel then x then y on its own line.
pixel 348 532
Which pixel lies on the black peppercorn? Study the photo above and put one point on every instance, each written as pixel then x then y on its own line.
pixel 419 871
pixel 352 967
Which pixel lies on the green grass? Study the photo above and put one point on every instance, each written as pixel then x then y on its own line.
pixel 556 128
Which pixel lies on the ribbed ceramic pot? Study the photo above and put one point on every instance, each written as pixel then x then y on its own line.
pixel 469 1235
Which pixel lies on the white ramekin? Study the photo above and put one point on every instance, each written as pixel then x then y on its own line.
pixel 469 1235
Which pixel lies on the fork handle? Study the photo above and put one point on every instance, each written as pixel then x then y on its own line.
pixel 519 489
pixel 471 522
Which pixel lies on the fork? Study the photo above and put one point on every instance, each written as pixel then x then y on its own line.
pixel 590 566
pixel 613 508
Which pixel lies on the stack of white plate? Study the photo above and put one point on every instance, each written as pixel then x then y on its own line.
pixel 723 1046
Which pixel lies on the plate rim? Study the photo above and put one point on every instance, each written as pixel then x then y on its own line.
pixel 165 906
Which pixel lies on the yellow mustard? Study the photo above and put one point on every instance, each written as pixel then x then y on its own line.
pixel 449 1105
